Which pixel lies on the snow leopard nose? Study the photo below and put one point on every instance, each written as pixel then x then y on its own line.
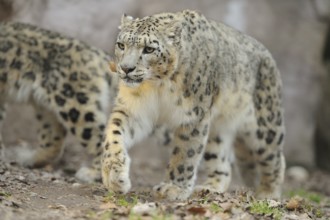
pixel 127 70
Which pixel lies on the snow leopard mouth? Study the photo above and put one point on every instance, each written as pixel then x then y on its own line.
pixel 132 81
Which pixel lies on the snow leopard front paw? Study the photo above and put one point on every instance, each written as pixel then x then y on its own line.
pixel 116 177
pixel 88 175
pixel 213 185
pixel 171 191
pixel 202 188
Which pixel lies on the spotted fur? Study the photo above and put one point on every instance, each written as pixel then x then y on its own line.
pixel 217 89
pixel 68 83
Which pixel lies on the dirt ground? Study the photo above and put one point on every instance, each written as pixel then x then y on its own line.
pixel 53 192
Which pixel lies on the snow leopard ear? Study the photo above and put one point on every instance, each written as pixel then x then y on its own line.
pixel 125 20
pixel 173 30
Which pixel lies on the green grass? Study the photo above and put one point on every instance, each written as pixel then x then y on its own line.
pixel 262 207
pixel 121 200
pixel 215 208
pixel 318 213
pixel 311 196
pixel 5 194
pixel 127 201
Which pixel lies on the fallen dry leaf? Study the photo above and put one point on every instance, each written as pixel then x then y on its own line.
pixel 293 203
pixel 197 210
pixel 108 205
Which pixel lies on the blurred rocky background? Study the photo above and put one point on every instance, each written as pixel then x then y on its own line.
pixel 293 30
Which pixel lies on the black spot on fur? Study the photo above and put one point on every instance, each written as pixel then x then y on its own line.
pixel 5 46
pixel 180 168
pixel 184 137
pixel 73 76
pixel 270 136
pixel 176 150
pixel 263 163
pixel 261 151
pixel 89 117
pixel 39 117
pixel 172 177
pixel 280 139
pixel 74 115
pixel 57 138
pixel 102 127
pixel 116 132
pixel 218 140
pixel 16 64
pixel 270 157
pixel 19 51
pixel 190 153
pixel 87 134
pixel 200 148
pixel 195 132
pixel 120 112
pixel 3 76
pixel 167 138
pixel 260 134
pixel 67 90
pixel 2 63
pixel 261 121
pixel 29 75
pixel 64 115
pixel 221 173
pixel 190 177
pixel 205 130
pixel 131 131
pixel 186 94
pixel 201 97
pixel 210 156
pixel 106 146
pixel 59 100
pixel 271 117
pixel 190 168
pixel 279 118
pixel 99 144
pixel 82 97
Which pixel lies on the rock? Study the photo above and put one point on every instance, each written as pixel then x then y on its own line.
pixel 33 194
pixel 21 178
pixel 76 185
pixel 144 208
pixel 273 203
pixel 297 173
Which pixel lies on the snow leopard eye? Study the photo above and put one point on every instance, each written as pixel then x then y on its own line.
pixel 121 46
pixel 148 50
